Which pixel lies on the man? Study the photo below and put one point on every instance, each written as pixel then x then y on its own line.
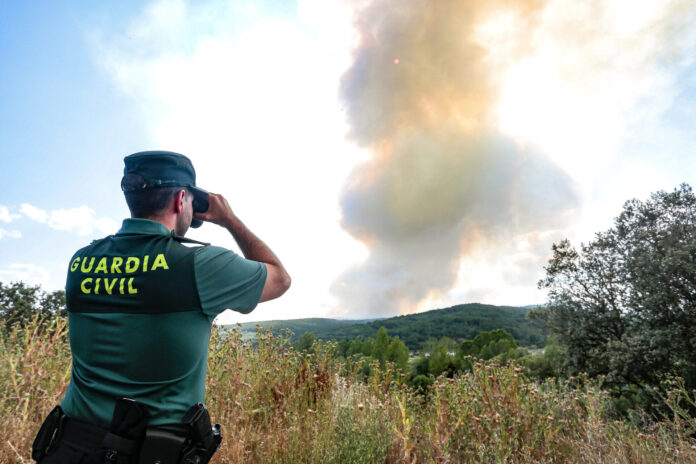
pixel 140 308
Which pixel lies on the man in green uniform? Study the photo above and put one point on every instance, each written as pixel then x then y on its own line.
pixel 141 304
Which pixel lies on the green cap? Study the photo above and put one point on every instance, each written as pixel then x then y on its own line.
pixel 156 169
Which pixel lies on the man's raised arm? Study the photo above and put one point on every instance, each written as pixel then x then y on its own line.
pixel 277 278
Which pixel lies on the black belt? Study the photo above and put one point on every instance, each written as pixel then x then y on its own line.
pixel 130 418
pixel 86 437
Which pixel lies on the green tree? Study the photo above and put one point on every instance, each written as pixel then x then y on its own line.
pixel 381 346
pixel 20 301
pixel 624 304
pixel 487 345
pixel 306 342
pixel 397 352
pixel 421 366
pixel 545 363
pixel 441 361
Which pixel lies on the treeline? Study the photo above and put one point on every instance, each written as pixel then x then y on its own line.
pixel 460 322
pixel 20 302
pixel 439 357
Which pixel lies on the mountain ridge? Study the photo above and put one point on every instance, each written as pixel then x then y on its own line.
pixel 459 322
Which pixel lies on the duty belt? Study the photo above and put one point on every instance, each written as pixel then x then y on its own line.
pixel 152 446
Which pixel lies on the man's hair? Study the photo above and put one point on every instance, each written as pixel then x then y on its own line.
pixel 148 202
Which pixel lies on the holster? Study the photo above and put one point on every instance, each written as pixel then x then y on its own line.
pixel 204 439
pixel 197 447
pixel 48 437
pixel 161 447
pixel 122 443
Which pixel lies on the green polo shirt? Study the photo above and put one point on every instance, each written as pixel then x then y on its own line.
pixel 140 309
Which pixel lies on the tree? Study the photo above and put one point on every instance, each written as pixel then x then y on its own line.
pixel 19 302
pixel 306 342
pixel 397 352
pixel 441 361
pixel 487 345
pixel 624 305
pixel 381 346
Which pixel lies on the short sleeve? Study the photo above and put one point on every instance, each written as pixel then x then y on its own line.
pixel 225 280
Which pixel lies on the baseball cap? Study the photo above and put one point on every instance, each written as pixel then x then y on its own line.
pixel 157 169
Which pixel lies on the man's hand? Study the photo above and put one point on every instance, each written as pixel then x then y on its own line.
pixel 253 248
pixel 219 211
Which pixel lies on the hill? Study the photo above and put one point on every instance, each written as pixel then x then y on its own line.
pixel 460 322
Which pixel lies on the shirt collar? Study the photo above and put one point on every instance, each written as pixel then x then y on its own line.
pixel 143 226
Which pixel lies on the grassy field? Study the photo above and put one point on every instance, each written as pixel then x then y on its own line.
pixel 281 406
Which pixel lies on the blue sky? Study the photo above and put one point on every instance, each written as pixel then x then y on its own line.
pixel 252 92
pixel 62 126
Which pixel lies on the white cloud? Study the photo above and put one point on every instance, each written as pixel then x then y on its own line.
pixel 29 273
pixel 6 216
pixel 253 100
pixel 34 213
pixel 81 219
pixel 9 233
pixel 593 75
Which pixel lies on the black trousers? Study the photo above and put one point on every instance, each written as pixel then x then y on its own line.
pixel 65 454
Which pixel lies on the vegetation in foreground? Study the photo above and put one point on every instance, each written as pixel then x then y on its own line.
pixel 281 405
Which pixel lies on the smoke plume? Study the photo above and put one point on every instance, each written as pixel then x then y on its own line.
pixel 442 180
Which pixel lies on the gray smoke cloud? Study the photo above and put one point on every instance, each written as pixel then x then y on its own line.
pixel 442 180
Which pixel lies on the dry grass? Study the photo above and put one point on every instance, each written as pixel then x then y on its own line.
pixel 281 406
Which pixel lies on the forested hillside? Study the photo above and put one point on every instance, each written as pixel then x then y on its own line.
pixel 461 322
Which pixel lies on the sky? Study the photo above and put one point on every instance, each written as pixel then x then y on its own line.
pixel 397 156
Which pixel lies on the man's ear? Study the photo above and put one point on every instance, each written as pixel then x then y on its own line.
pixel 179 201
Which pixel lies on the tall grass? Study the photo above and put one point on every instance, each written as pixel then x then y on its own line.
pixel 278 405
